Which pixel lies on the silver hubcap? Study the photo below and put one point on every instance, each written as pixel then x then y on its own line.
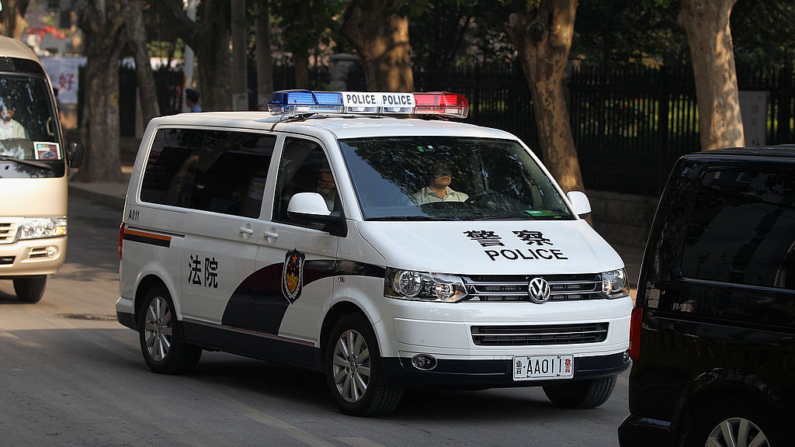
pixel 736 432
pixel 351 366
pixel 157 329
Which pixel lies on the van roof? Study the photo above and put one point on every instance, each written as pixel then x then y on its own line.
pixel 782 150
pixel 347 126
pixel 15 48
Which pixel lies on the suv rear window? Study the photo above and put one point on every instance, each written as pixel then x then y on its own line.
pixel 742 229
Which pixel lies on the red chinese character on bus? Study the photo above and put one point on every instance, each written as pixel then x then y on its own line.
pixel 568 365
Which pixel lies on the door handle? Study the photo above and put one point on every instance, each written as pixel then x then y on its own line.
pixel 270 234
pixel 246 232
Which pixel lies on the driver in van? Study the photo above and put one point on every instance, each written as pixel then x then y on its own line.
pixel 9 128
pixel 327 188
pixel 439 189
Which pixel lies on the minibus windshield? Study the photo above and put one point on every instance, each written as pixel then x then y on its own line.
pixel 449 178
pixel 29 141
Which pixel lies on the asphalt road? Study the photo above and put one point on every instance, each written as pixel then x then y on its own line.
pixel 70 375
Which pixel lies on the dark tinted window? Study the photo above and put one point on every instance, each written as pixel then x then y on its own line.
pixel 209 170
pixel 742 229
pixel 304 168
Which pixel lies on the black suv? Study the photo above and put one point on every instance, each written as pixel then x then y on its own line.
pixel 713 329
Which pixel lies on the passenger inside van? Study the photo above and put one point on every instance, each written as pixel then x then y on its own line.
pixel 9 127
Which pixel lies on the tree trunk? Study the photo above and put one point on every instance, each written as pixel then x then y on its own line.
pixel 264 60
pixel 209 39
pixel 239 46
pixel 712 54
pixel 136 36
pixel 382 43
pixel 301 59
pixel 104 37
pixel 543 40
pixel 14 23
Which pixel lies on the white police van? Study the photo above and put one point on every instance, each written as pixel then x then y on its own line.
pixel 360 235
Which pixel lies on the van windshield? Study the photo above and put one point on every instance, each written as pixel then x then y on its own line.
pixel 449 178
pixel 29 140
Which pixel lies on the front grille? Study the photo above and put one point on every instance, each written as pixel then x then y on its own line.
pixel 514 287
pixel 8 230
pixel 556 334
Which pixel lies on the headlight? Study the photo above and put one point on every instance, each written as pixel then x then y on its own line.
pixel 615 283
pixel 40 227
pixel 422 286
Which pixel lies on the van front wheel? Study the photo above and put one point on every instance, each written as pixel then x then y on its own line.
pixel 582 393
pixel 30 289
pixel 354 372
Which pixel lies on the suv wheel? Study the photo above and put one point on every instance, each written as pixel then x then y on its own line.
pixel 354 374
pixel 30 289
pixel 161 339
pixel 582 393
pixel 734 422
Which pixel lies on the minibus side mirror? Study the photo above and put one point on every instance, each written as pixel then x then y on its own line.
pixel 311 207
pixel 75 154
pixel 579 201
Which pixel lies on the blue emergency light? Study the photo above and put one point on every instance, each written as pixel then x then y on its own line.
pixel 303 102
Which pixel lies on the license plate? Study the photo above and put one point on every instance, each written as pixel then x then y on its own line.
pixel 545 367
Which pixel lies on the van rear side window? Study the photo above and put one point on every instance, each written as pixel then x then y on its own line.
pixel 742 229
pixel 208 170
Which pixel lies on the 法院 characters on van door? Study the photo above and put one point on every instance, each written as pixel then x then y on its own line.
pixel 203 274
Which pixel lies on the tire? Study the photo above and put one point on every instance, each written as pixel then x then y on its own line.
pixel 354 372
pixel 582 393
pixel 732 422
pixel 160 335
pixel 30 289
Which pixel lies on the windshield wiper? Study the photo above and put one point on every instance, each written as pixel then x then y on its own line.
pixel 36 164
pixel 404 218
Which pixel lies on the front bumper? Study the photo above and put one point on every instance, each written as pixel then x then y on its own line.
pixel 497 373
pixel 32 257
pixel 644 432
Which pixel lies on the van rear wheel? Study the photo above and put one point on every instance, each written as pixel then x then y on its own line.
pixel 30 289
pixel 160 335
pixel 582 393
pixel 354 372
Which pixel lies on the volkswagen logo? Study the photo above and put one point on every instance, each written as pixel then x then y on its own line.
pixel 539 290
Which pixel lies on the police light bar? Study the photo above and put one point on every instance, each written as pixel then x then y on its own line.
pixel 297 102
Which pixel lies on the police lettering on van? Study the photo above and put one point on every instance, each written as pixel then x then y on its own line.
pixel 344 235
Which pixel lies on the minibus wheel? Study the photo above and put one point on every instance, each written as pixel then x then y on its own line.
pixel 30 289
pixel 589 393
pixel 354 372
pixel 160 335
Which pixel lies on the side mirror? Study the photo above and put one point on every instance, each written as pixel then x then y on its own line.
pixel 75 154
pixel 311 207
pixel 579 201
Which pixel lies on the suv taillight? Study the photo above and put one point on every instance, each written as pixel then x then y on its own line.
pixel 634 333
pixel 121 238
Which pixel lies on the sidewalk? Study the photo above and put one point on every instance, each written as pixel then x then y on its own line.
pixel 113 195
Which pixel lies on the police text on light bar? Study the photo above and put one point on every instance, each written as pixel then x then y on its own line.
pixel 300 102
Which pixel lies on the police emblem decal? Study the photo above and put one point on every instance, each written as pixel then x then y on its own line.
pixel 293 275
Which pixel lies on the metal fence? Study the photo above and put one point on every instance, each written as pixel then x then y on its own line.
pixel 629 125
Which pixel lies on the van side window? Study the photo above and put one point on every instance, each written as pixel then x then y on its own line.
pixel 742 229
pixel 303 168
pixel 208 170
